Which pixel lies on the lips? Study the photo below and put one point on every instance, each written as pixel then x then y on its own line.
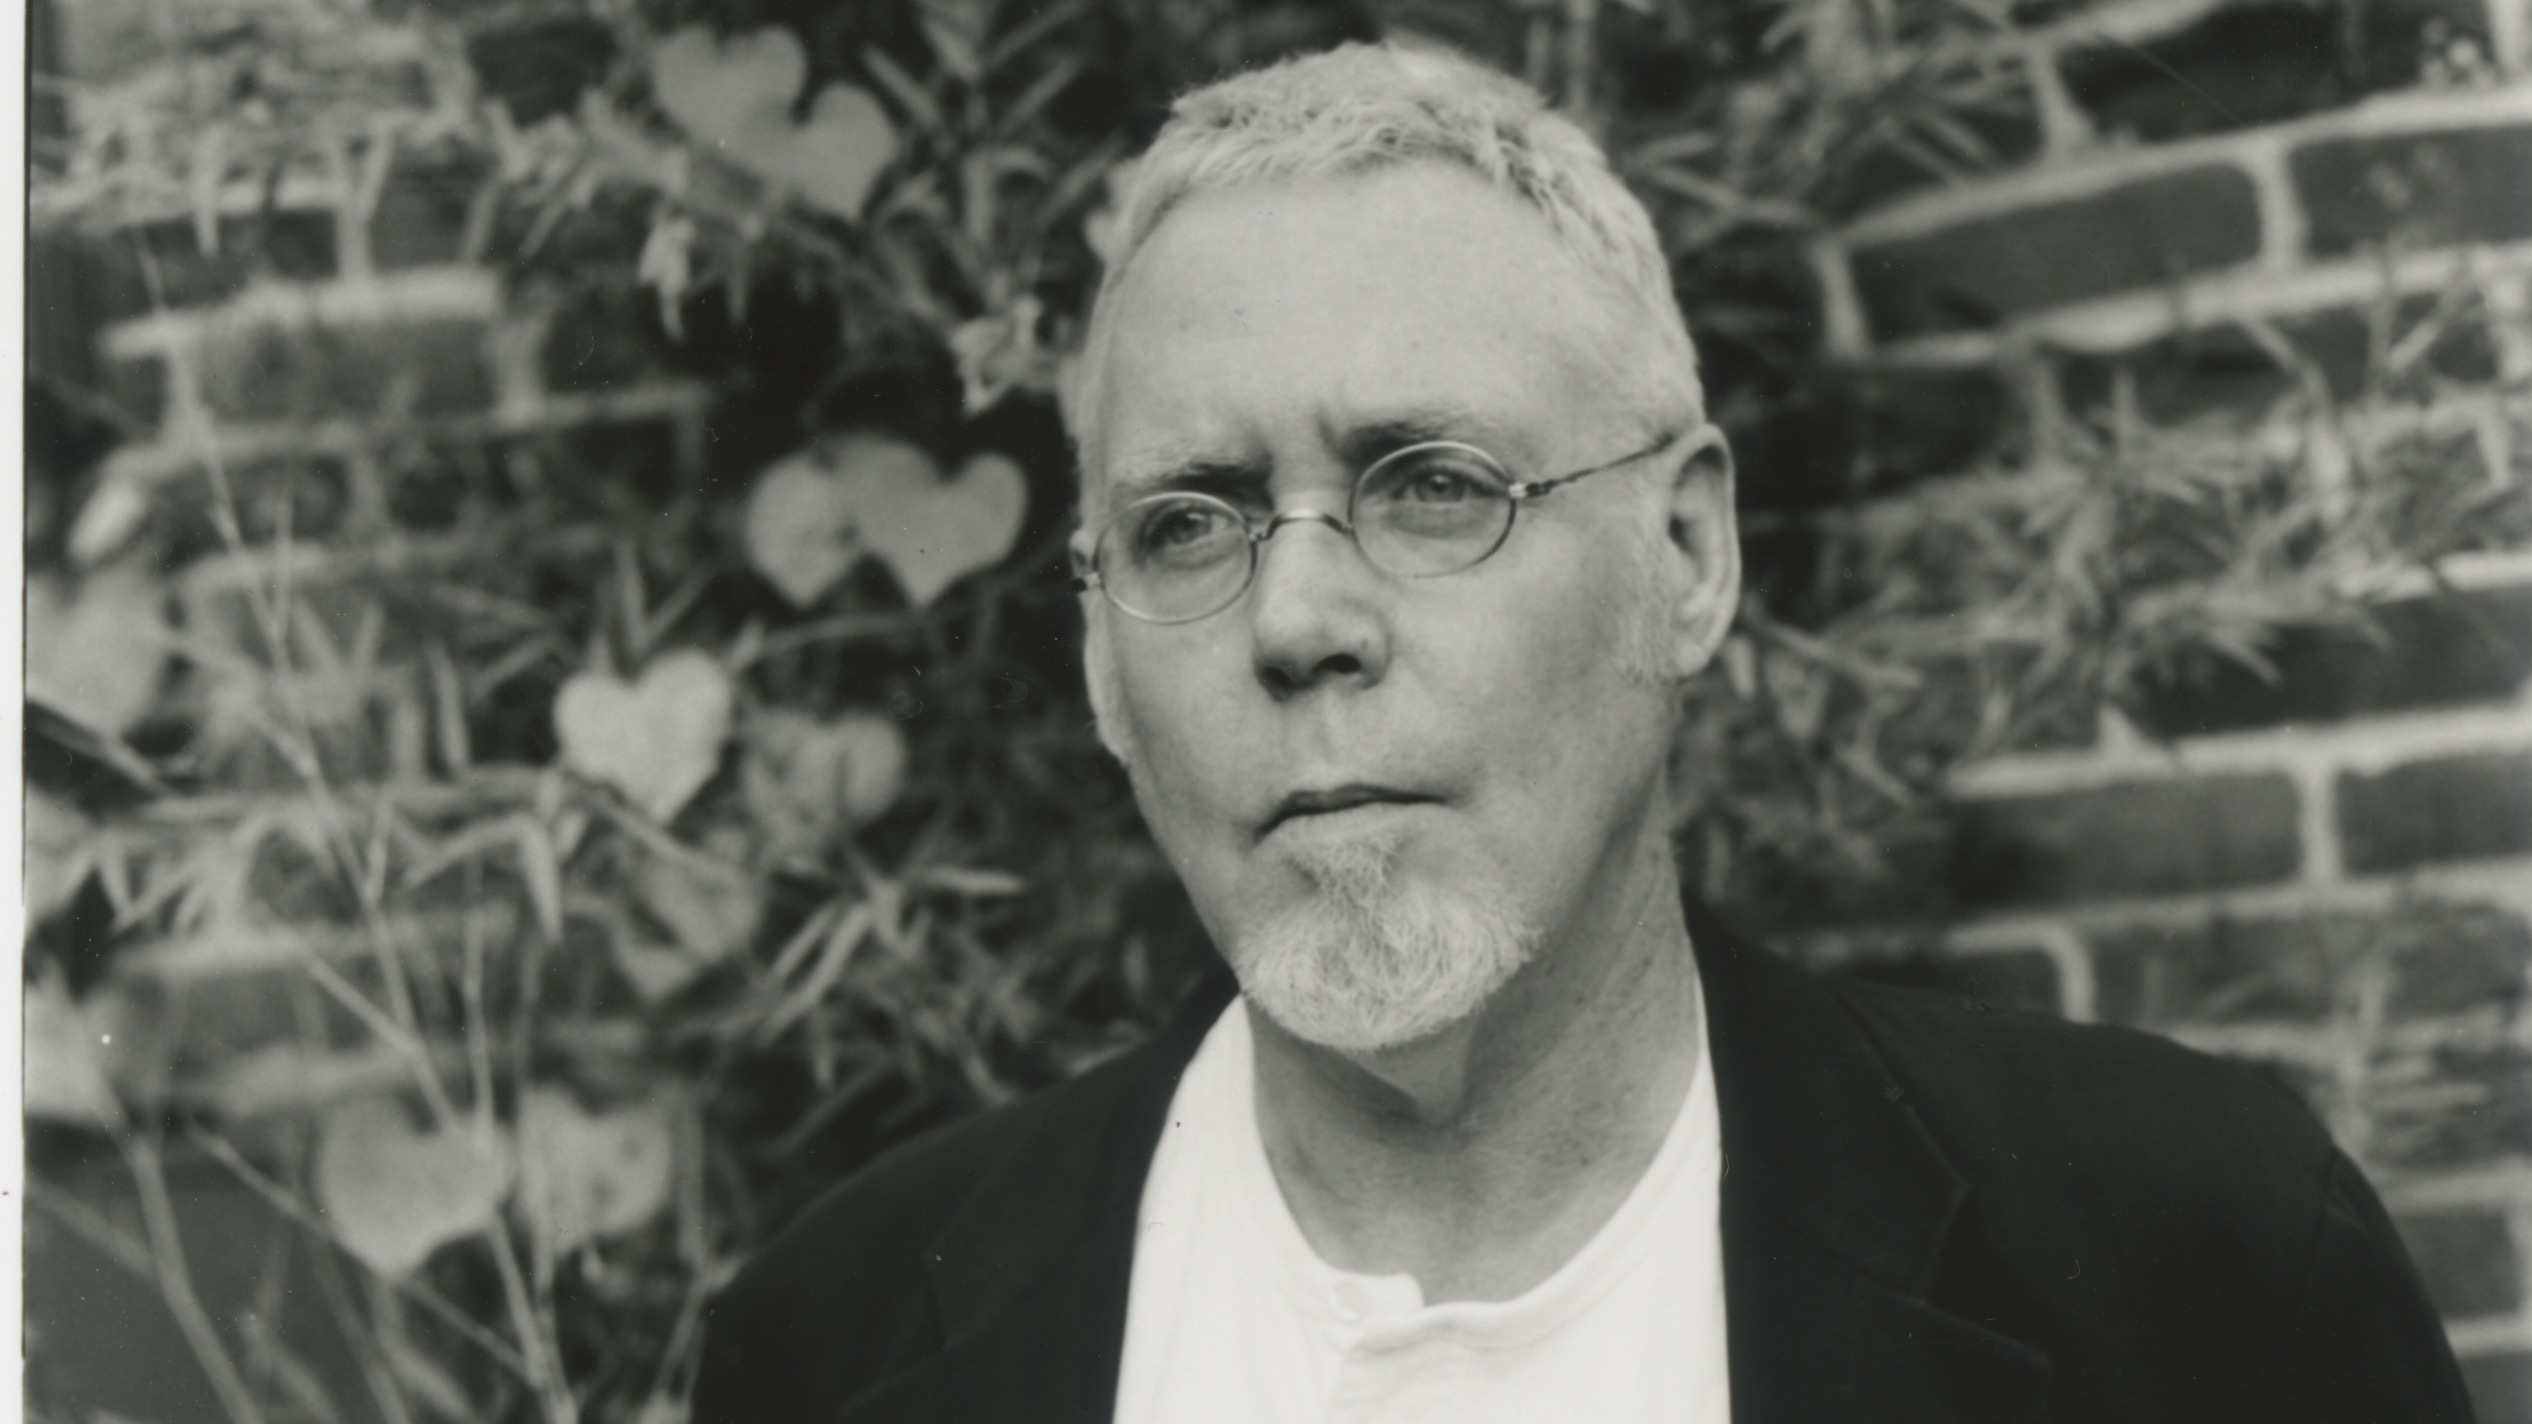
pixel 1334 799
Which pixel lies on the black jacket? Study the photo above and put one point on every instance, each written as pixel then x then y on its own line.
pixel 1931 1211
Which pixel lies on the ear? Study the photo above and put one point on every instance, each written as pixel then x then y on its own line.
pixel 1704 538
pixel 1099 675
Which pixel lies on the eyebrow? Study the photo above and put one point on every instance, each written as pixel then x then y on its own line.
pixel 1358 444
pixel 1201 474
pixel 1364 441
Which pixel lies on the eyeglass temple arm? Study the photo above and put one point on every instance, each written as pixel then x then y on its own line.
pixel 1532 489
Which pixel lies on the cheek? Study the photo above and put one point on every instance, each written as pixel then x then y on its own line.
pixel 1177 740
pixel 1571 721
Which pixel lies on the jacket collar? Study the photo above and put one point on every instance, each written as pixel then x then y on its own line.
pixel 1836 1205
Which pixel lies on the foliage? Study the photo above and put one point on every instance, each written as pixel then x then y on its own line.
pixel 534 882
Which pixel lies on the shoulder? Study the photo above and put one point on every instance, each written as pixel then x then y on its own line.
pixel 2207 1181
pixel 1995 1080
pixel 844 1294
pixel 2111 1171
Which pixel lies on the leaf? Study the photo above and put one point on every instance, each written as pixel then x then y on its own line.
pixel 393 1193
pixel 1101 229
pixel 657 740
pixel 834 158
pixel 586 1175
pixel 60 853
pixel 728 90
pixel 799 527
pixel 807 781
pixel 541 867
pixel 65 1058
pixel 108 520
pixel 1000 353
pixel 737 95
pixel 814 514
pixel 287 1077
pixel 711 908
pixel 95 651
pixel 969 882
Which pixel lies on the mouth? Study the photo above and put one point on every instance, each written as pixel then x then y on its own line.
pixel 1302 805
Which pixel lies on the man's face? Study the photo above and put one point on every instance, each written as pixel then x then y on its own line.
pixel 1384 793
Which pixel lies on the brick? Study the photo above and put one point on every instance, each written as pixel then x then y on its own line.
pixel 612 466
pixel 2452 1107
pixel 359 734
pixel 539 69
pixel 416 366
pixel 139 387
pixel 2446 957
pixel 334 601
pixel 2222 970
pixel 2439 492
pixel 2135 838
pixel 61 310
pixel 109 1346
pixel 604 339
pixel 2005 125
pixel 98 41
pixel 2024 979
pixel 1948 716
pixel 2425 189
pixel 1872 433
pixel 2456 958
pixel 2138 235
pixel 2468 1260
pixel 2439 651
pixel 2449 808
pixel 289 244
pixel 312 495
pixel 436 485
pixel 2247 65
pixel 2500 1386
pixel 422 212
pixel 2229 369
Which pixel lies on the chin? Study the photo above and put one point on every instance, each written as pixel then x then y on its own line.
pixel 1362 966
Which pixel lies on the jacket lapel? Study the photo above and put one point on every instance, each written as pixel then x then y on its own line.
pixel 1836 1205
pixel 1029 1278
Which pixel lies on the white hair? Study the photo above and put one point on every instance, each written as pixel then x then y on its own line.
pixel 1364 107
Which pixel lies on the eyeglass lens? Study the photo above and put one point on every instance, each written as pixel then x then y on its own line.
pixel 1421 512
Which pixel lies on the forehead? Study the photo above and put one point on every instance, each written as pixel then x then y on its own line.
pixel 1263 315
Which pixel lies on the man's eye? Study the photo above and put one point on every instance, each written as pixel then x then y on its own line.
pixel 1178 531
pixel 1439 484
pixel 1437 480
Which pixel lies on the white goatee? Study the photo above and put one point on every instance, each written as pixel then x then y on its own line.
pixel 1367 964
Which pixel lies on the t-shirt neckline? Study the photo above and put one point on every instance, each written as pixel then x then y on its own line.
pixel 1388 1311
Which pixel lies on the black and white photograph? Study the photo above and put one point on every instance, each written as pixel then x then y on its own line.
pixel 1276 711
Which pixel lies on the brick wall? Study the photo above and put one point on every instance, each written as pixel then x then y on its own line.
pixel 2328 867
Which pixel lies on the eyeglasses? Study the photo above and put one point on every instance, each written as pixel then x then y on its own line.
pixel 1420 512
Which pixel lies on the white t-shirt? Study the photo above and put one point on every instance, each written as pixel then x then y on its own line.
pixel 1233 1319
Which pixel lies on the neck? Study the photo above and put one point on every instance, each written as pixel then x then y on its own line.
pixel 1485 1156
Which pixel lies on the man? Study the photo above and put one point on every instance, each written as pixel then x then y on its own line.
pixel 1401 520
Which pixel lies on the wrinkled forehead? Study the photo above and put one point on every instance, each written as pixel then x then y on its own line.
pixel 1256 320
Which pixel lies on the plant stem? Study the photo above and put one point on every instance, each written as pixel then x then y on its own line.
pixel 175 1281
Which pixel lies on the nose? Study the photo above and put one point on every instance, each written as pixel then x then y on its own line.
pixel 1314 617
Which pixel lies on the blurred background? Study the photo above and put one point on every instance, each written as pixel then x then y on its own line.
pixel 554 726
